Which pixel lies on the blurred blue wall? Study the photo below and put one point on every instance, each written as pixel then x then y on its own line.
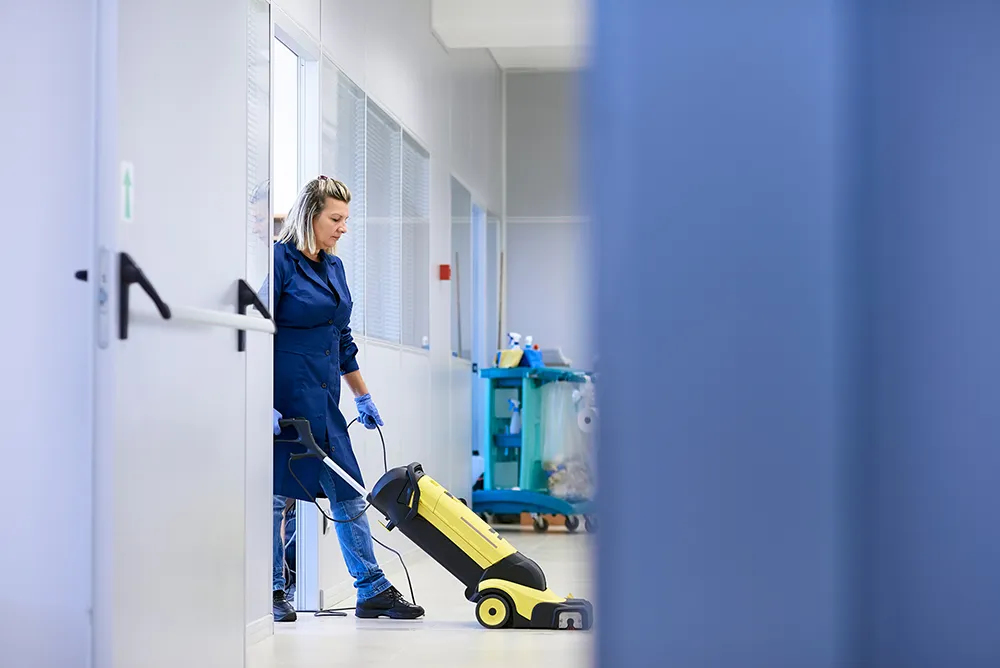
pixel 797 233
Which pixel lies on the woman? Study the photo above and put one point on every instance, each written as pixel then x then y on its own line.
pixel 313 350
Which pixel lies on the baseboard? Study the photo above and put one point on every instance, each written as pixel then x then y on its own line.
pixel 343 591
pixel 260 629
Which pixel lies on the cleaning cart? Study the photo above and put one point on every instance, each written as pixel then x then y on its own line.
pixel 521 473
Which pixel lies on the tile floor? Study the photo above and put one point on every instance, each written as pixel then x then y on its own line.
pixel 449 636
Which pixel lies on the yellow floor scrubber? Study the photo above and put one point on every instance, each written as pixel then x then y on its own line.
pixel 508 588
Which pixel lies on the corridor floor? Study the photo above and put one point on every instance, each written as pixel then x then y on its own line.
pixel 449 636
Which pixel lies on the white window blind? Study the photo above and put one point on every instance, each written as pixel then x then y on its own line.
pixel 383 220
pixel 259 221
pixel 344 159
pixel 416 237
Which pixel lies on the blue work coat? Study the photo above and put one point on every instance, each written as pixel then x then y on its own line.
pixel 313 348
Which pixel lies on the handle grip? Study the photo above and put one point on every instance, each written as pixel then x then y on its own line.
pixel 304 436
pixel 129 273
pixel 246 297
pixel 413 473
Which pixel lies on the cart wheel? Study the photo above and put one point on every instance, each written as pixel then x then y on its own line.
pixel 590 524
pixel 541 524
pixel 494 610
pixel 572 523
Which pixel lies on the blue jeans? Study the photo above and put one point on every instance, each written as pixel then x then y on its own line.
pixel 277 547
pixel 355 540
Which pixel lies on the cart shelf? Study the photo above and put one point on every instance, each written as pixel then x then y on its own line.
pixel 517 501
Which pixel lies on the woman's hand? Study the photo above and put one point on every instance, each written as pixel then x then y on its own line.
pixel 277 416
pixel 367 413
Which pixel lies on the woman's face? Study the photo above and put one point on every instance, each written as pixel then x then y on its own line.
pixel 331 223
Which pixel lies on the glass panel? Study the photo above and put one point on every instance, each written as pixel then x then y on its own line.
pixel 286 128
pixel 258 238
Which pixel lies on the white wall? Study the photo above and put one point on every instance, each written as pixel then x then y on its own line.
pixel 476 117
pixel 46 131
pixel 547 275
pixel 542 145
pixel 548 286
pixel 387 48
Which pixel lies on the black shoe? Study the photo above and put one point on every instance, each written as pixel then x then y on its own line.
pixel 389 603
pixel 282 609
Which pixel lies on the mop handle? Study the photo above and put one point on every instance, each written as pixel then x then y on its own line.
pixel 305 437
pixel 345 476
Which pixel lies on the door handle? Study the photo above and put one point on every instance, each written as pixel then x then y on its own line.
pixel 129 273
pixel 246 297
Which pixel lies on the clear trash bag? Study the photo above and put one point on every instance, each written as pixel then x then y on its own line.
pixel 567 440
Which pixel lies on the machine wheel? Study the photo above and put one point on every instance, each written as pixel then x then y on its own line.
pixel 541 524
pixel 494 610
pixel 590 524
pixel 572 523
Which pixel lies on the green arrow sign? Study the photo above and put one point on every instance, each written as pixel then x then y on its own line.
pixel 127 182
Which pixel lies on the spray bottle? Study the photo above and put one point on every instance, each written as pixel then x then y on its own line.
pixel 515 416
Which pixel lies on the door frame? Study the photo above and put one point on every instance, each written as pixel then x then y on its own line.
pixel 105 271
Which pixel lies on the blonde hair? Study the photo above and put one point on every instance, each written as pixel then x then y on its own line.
pixel 298 228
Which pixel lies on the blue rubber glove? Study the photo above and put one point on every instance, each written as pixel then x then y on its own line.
pixel 367 413
pixel 277 416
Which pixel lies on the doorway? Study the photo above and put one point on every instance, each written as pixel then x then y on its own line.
pixel 295 142
pixel 473 303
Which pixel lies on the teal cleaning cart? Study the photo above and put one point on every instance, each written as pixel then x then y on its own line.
pixel 514 480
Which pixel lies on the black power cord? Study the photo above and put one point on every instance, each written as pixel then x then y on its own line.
pixel 333 612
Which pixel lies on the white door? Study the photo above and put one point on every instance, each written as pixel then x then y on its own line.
pixel 47 187
pixel 171 473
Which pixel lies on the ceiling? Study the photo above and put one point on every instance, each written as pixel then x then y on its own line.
pixel 521 34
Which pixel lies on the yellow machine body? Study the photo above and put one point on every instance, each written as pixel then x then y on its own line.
pixel 508 588
pixel 457 521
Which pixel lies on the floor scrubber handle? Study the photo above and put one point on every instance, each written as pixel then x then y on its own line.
pixel 412 479
pixel 304 436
